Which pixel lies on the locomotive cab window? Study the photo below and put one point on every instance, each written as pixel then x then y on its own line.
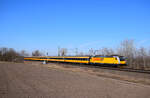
pixel 122 58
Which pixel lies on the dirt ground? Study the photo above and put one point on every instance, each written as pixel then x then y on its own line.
pixel 134 77
pixel 18 80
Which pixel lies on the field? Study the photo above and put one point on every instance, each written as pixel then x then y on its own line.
pixel 34 80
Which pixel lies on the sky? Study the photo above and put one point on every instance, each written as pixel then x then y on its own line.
pixel 83 24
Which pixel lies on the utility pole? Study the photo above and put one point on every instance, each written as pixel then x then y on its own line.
pixel 47 56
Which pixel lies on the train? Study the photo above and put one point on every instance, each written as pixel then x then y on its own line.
pixel 112 60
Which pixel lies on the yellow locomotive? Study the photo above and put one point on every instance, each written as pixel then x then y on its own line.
pixel 101 60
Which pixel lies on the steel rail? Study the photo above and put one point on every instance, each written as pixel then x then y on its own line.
pixel 111 68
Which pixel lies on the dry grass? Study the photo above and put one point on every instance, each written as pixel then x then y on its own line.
pixel 96 72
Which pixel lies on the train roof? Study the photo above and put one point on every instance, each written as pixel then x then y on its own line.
pixel 107 55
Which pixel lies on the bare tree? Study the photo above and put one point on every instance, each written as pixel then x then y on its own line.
pixel 24 53
pixel 12 55
pixel 143 57
pixel 63 51
pixel 149 52
pixel 8 54
pixel 0 54
pixel 36 53
pixel 127 49
pixel 91 52
pixel 106 51
pixel 148 59
pixel 81 54
pixel 58 51
pixel 76 51
pixel 4 50
pixel 102 51
pixel 3 54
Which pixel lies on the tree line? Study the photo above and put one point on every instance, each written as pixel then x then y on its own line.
pixel 136 57
pixel 11 55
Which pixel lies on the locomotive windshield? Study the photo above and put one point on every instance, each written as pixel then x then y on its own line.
pixel 122 58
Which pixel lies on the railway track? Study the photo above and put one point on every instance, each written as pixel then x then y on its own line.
pixel 111 68
pixel 127 69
